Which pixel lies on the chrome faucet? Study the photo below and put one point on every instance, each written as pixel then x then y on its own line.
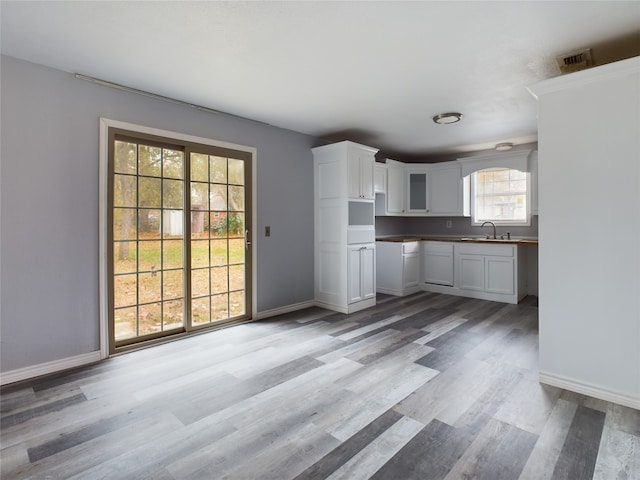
pixel 494 228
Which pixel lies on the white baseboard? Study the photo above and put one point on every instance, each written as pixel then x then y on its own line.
pixel 281 310
pixel 33 371
pixel 589 389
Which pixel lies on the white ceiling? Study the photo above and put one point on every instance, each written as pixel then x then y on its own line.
pixel 374 72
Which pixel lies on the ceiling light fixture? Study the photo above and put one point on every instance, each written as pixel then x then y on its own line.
pixel 445 118
pixel 503 147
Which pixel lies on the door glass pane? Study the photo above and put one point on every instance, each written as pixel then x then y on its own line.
pixel 218 197
pixel 226 238
pixel 236 198
pixel 220 307
pixel 172 285
pixel 124 191
pixel 149 319
pixel 149 160
pixel 125 323
pixel 219 280
pixel 125 157
pixel 172 314
pixel 125 287
pixel 236 172
pixel 172 193
pixel 218 167
pixel 200 310
pixel 149 192
pixel 173 164
pixel 200 282
pixel 172 254
pixel 124 224
pixel 124 257
pixel 199 167
pixel 147 249
pixel 219 253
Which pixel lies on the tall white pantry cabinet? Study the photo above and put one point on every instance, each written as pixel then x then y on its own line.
pixel 344 221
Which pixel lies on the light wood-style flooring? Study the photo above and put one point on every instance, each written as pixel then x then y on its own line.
pixel 423 387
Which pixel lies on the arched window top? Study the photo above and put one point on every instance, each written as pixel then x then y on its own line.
pixel 514 160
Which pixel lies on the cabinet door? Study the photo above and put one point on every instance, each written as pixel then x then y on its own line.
pixel 368 269
pixel 445 191
pixel 360 175
pixel 411 270
pixel 353 176
pixel 437 268
pixel 366 176
pixel 417 192
pixel 361 273
pixel 395 190
pixel 499 273
pixel 354 272
pixel 471 272
pixel 379 178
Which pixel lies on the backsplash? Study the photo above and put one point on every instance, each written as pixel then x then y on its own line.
pixel 438 226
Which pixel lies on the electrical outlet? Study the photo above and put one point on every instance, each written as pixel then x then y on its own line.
pixel 449 224
pixel 267 231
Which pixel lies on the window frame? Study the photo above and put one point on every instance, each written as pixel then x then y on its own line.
pixel 499 222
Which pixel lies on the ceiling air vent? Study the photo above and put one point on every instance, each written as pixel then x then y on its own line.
pixel 575 61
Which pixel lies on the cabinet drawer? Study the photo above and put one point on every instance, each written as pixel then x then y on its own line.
pixel 410 247
pixel 365 235
pixel 438 248
pixel 480 249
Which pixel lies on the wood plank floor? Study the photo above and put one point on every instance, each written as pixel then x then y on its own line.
pixel 423 387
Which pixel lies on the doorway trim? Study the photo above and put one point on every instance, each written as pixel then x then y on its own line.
pixel 105 124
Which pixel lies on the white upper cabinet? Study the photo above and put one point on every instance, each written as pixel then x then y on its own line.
pixel 379 178
pixel 445 189
pixel 395 188
pixel 360 173
pixel 417 186
pixel 434 189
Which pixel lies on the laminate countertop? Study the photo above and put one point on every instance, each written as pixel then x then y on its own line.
pixel 470 239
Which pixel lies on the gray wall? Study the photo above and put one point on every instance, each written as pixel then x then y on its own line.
pixel 590 231
pixel 49 298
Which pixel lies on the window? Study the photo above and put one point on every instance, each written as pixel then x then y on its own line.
pixel 500 195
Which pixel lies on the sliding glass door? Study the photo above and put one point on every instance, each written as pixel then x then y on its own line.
pixel 179 256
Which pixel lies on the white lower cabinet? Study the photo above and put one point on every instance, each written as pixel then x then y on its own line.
pixel 361 273
pixel 410 270
pixel 499 275
pixel 398 267
pixel 492 272
pixel 471 268
pixel 487 271
pixel 437 263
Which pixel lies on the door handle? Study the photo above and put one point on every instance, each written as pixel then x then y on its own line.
pixel 247 242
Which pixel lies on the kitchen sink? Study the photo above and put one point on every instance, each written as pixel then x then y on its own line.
pixel 483 239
